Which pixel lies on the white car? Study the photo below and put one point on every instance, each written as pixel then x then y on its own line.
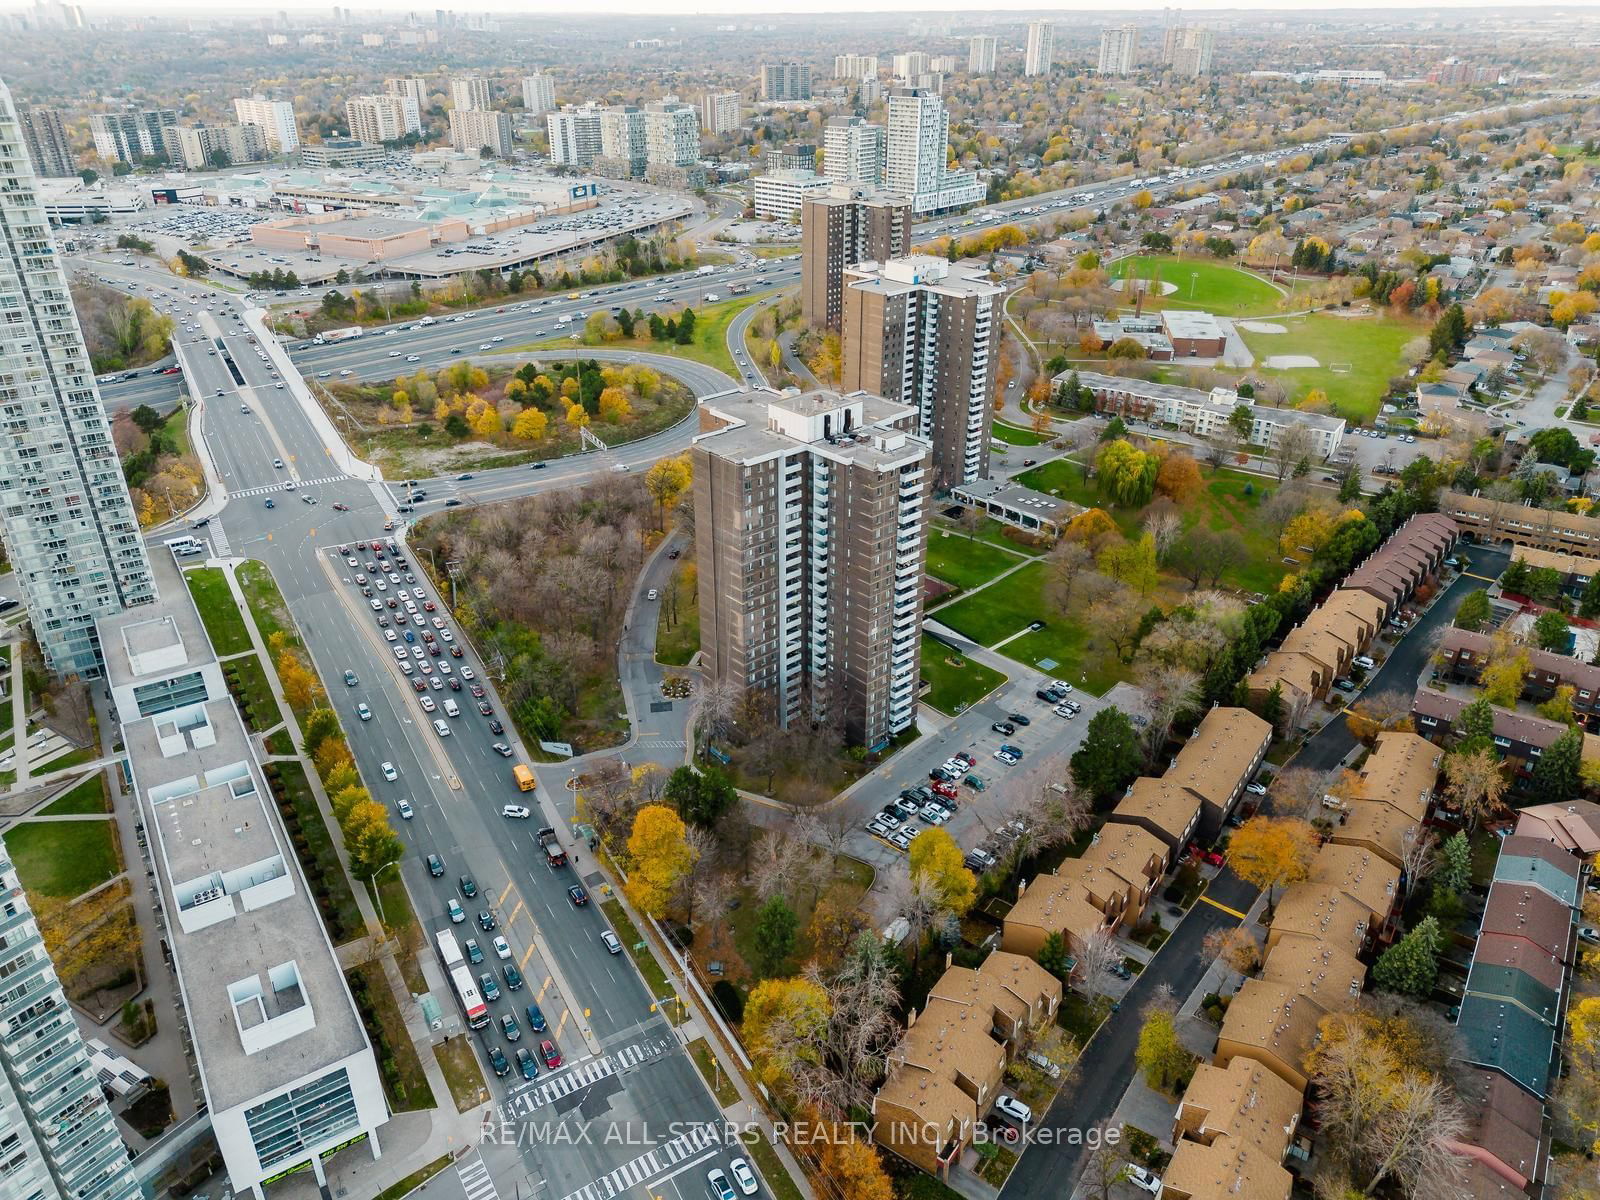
pixel 502 948
pixel 468 674
pixel 1256 789
pixel 427 703
pixel 1009 759
pixel 1364 661
pixel 516 811
pixel 403 807
pixel 933 814
pixel 363 712
pixel 1142 1179
pixel 389 772
pixel 1014 1108
pixel 1059 686
pixel 651 594
pixel 743 1176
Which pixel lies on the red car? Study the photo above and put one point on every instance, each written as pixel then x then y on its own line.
pixel 1213 858
pixel 966 758
pixel 377 547
pixel 455 651
pixel 419 685
pixel 341 508
pixel 477 692
pixel 434 650
pixel 428 605
pixel 483 707
pixel 941 788
pixel 548 1052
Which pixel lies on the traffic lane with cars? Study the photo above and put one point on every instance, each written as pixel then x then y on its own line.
pixel 535 897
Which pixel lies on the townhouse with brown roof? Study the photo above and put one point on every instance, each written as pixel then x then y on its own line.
pixel 1166 809
pixel 1271 1024
pixel 1511 522
pixel 1064 903
pixel 1464 654
pixel 1133 853
pixel 1321 912
pixel 1575 570
pixel 1401 772
pixel 1232 1130
pixel 1318 650
pixel 1408 558
pixel 1219 759
pixel 1329 975
pixel 1574 825
pixel 944 1076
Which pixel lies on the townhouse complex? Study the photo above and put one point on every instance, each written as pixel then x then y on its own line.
pixel 1339 630
pixel 1515 523
pixel 1146 835
pixel 945 1074
pixel 1463 654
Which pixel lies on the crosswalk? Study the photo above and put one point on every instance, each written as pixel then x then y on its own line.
pixel 579 1076
pixel 661 744
pixel 649 1165
pixel 278 487
pixel 219 539
pixel 475 1181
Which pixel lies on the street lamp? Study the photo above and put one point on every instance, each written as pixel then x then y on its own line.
pixel 377 894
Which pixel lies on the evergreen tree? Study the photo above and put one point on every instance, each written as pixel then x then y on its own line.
pixel 1272 706
pixel 1589 602
pixel 1474 610
pixel 1556 776
pixel 1454 869
pixel 1109 758
pixel 1412 964
pixel 775 936
pixel 1475 726
pixel 1054 955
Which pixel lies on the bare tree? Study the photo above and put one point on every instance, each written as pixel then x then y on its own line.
pixel 1290 448
pixel 1417 845
pixel 713 891
pixel 1068 561
pixel 1107 1165
pixel 1298 792
pixel 1232 946
pixel 1095 951
pixel 1164 523
pixel 1169 692
pixel 1052 813
pixel 863 1027
pixel 713 716
pixel 780 860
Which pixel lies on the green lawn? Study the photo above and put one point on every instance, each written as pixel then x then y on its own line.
pixel 89 796
pixel 1222 505
pixel 955 688
pixel 770 1165
pixel 14 680
pixel 1011 435
pixel 1202 283
pixel 64 858
pixel 1370 346
pixel 247 680
pixel 716 1078
pixel 71 758
pixel 991 531
pixel 998 612
pixel 654 977
pixel 224 626
pixel 965 562
pixel 461 1072
pixel 710 344
pixel 677 643
pixel 266 601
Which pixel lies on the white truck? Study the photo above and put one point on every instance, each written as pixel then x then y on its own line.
pixel 337 335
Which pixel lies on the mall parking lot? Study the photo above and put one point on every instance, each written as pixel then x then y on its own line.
pixel 1047 743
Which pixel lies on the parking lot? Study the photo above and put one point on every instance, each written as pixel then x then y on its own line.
pixel 991 791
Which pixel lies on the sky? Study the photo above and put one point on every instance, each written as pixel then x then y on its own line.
pixel 743 9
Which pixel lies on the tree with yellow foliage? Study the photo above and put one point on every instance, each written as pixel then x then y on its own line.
pixel 1092 528
pixel 530 426
pixel 1310 530
pixel 614 406
pixel 854 1166
pixel 1508 668
pixel 576 417
pixel 659 856
pixel 1578 1097
pixel 937 860
pixel 487 423
pixel 784 1024
pixel 1142 199
pixel 666 481
pixel 1272 852
pixel 299 685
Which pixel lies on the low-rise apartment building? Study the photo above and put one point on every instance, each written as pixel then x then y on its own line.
pixel 1511 522
pixel 1574 825
pixel 1519 737
pixel 1462 655
pixel 1168 811
pixel 1205 414
pixel 944 1076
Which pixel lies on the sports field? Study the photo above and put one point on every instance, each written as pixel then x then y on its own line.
pixel 1201 283
pixel 1356 357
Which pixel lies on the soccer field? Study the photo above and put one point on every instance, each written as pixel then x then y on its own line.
pixel 1202 283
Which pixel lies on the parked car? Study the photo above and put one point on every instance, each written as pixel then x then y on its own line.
pixel 1014 1108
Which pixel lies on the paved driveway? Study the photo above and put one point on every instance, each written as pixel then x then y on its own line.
pixel 1107 1066
pixel 1409 659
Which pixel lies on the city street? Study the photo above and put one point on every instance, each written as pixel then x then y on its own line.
pixel 621 1061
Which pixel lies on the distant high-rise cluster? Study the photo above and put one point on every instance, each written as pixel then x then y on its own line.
pixel 1187 49
pixel 275 119
pixel 785 81
pixel 414 89
pixel 45 137
pixel 1119 49
pixel 855 66
pixel 1041 52
pixel 381 118
pixel 720 112
pixel 981 49
pixel 538 94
